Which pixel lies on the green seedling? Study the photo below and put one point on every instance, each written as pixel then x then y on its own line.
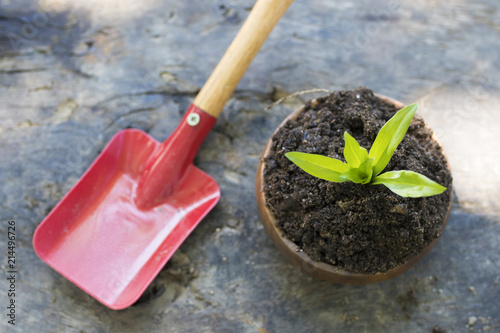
pixel 365 167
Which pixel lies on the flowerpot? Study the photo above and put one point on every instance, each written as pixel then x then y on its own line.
pixel 294 252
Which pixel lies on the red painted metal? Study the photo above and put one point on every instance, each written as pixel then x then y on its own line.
pixel 129 212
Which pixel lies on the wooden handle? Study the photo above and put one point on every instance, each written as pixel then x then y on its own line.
pixel 225 77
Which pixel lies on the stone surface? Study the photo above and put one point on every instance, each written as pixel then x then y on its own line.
pixel 74 73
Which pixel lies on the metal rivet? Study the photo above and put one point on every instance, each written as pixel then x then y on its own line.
pixel 193 119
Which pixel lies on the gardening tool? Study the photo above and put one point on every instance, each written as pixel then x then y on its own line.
pixel 122 221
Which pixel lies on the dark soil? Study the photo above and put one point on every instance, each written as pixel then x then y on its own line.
pixel 359 228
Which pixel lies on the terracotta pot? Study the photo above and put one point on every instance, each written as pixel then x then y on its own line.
pixel 299 258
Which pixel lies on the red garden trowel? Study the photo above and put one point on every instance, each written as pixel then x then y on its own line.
pixel 140 199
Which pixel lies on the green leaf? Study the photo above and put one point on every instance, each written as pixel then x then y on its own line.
pixel 409 184
pixel 389 137
pixel 354 154
pixel 319 166
pixel 361 175
pixel 367 168
pixel 354 175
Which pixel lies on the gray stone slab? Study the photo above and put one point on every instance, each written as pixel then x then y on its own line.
pixel 74 73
